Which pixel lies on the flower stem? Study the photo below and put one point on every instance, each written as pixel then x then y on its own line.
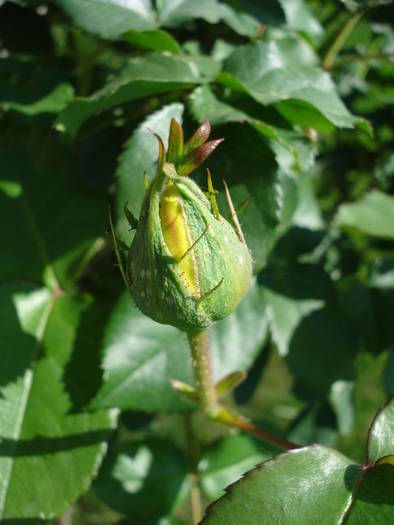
pixel 205 389
pixel 208 399
pixel 340 40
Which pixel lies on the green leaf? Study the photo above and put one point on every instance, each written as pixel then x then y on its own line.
pixel 247 164
pixel 43 441
pixel 373 214
pixel 357 5
pixel 382 273
pixel 292 150
pixel 145 480
pixel 50 226
pixel 297 486
pixel 29 88
pixel 375 500
pixel 142 357
pixel 175 13
pixel 300 18
pixel 342 400
pixel 140 154
pixel 380 438
pixel 267 13
pixel 294 488
pixel 141 77
pixel 154 40
pixel 307 326
pixel 226 462
pixel 109 18
pixel 313 426
pixel 303 94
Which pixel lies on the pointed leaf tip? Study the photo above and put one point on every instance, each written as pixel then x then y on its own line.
pixel 175 142
pixel 162 151
pixel 197 156
pixel 198 138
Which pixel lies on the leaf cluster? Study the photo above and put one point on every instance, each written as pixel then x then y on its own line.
pixel 302 92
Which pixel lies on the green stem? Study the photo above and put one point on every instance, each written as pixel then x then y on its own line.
pixel 205 389
pixel 207 396
pixel 340 40
pixel 364 58
pixel 231 418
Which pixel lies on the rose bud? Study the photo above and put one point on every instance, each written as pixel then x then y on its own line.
pixel 187 265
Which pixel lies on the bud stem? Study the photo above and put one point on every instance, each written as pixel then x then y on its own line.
pixel 205 388
pixel 207 396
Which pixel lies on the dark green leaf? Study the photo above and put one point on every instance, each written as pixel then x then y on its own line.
pixel 154 40
pixel 294 488
pixel 173 13
pixel 142 357
pixel 29 88
pixel 49 225
pixel 226 462
pixel 109 18
pixel 357 5
pixel 382 273
pixel 140 78
pixel 375 500
pixel 144 480
pixel 270 13
pixel 380 439
pixel 42 440
pixel 270 73
pixel 247 164
pixel 307 326
pixel 373 214
pixel 292 150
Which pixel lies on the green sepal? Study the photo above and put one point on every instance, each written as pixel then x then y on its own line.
pixel 196 157
pixel 198 138
pixel 175 142
pixel 133 221
pixel 118 245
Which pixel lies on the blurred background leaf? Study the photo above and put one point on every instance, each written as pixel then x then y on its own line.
pixel 294 87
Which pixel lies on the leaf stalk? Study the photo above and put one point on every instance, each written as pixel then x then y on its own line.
pixel 207 396
pixel 340 40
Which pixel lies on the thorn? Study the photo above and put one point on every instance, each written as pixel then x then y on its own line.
pixel 210 292
pixel 234 214
pixel 211 196
pixel 117 251
pixel 133 222
pixel 194 244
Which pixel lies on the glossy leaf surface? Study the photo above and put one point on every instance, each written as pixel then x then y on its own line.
pixel 42 440
pixel 140 78
pixel 142 357
pixel 270 75
pixel 373 214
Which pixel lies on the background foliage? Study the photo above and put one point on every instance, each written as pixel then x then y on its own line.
pixel 302 92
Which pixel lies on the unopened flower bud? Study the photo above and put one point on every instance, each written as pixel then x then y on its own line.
pixel 187 265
